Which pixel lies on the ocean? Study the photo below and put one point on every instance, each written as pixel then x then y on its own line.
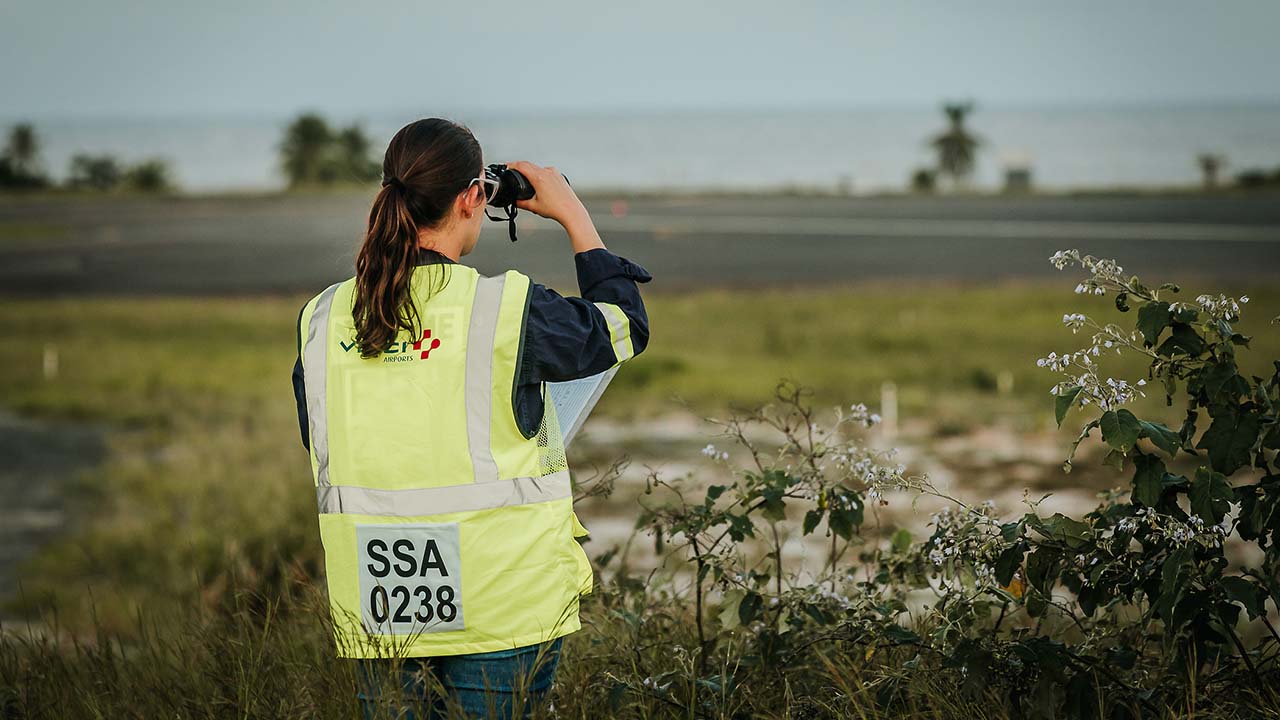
pixel 865 150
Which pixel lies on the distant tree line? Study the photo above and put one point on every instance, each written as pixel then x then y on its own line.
pixel 1258 177
pixel 1212 164
pixel 21 169
pixel 312 153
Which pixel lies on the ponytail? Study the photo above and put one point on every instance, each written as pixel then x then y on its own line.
pixel 384 270
pixel 426 165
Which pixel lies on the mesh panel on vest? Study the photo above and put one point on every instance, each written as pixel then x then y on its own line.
pixel 550 444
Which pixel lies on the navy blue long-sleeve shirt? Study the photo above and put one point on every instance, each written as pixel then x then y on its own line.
pixel 565 338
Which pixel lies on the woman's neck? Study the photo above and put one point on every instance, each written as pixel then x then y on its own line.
pixel 447 246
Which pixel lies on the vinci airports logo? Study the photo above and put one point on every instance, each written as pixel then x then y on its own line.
pixel 404 351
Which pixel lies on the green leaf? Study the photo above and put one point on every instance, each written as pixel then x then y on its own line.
pixel 1173 575
pixel 1229 439
pixel 1036 604
pixel 1042 566
pixel 901 541
pixel 729 608
pixel 1211 496
pixel 1011 530
pixel 1064 403
pixel 1160 435
pixel 1008 563
pixel 1246 593
pixel 1114 459
pixel 900 635
pixel 844 521
pixel 811 520
pixel 1066 530
pixel 1148 483
pixel 1183 340
pixel 740 527
pixel 1272 440
pixel 1152 319
pixel 750 607
pixel 1120 429
pixel 1217 377
pixel 775 508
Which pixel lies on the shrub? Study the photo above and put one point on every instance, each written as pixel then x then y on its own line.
pixel 1132 610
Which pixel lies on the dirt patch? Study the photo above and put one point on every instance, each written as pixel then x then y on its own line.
pixel 42 460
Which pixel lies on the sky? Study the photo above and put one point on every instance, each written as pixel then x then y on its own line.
pixel 172 58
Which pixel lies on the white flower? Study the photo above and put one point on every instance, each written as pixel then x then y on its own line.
pixel 711 452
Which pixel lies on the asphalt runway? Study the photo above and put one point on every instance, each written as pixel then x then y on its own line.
pixel 53 246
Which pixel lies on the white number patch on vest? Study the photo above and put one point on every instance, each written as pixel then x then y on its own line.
pixel 410 578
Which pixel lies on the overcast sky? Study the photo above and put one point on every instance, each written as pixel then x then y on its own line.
pixel 227 57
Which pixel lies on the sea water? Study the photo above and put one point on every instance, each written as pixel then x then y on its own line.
pixel 858 150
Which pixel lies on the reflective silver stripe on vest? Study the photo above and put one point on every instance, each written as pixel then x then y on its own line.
pixel 619 330
pixel 479 374
pixel 314 375
pixel 438 500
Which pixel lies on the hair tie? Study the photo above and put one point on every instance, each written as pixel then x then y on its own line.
pixel 393 180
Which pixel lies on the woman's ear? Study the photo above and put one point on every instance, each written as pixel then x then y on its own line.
pixel 465 204
pixel 471 203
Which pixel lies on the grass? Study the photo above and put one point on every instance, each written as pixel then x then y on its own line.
pixel 147 362
pixel 184 578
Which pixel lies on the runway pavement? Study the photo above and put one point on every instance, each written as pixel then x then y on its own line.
pixel 299 243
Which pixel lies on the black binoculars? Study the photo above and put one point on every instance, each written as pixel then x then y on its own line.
pixel 512 185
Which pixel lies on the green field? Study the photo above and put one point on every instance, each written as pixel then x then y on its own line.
pixel 205 487
pixel 202 429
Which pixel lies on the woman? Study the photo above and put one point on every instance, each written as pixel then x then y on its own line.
pixel 443 493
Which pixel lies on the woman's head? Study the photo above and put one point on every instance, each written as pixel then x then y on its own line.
pixel 431 195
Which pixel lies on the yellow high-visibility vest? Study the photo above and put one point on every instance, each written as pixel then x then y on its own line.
pixel 446 530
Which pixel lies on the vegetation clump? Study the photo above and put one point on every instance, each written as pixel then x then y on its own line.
pixel 20 169
pixel 313 153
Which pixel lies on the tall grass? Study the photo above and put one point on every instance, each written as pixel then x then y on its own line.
pixel 187 583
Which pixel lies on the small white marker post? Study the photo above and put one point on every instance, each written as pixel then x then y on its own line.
pixel 889 409
pixel 50 361
pixel 1004 382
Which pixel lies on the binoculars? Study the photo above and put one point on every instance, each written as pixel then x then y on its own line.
pixel 512 185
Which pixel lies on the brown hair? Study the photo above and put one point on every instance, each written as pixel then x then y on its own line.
pixel 427 164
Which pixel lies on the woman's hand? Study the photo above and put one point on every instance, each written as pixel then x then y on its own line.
pixel 553 198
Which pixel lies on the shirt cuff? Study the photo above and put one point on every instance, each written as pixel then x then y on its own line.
pixel 597 265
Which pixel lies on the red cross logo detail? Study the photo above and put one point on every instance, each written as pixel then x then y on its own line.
pixel 426 335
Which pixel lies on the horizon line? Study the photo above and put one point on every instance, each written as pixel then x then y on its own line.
pixel 494 111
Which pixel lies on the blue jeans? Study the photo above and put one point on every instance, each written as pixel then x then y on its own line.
pixel 480 685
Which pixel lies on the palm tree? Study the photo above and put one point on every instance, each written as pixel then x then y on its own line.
pixel 1210 164
pixel 304 152
pixel 23 149
pixel 957 146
